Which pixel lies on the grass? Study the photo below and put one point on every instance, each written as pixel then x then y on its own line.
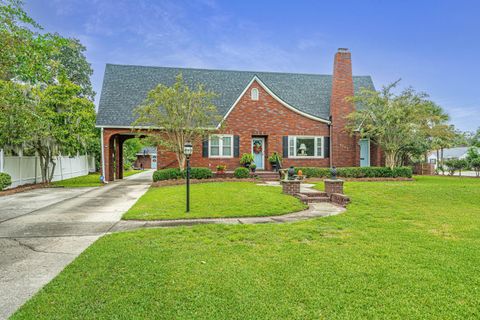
pixel 212 200
pixel 403 250
pixel 90 180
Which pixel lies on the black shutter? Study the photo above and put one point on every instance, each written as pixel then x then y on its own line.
pixel 236 146
pixel 205 148
pixel 327 147
pixel 285 146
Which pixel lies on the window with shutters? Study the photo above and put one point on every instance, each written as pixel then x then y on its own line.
pixel 220 146
pixel 306 147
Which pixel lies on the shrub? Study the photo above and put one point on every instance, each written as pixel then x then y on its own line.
pixel 241 173
pixel 314 172
pixel 167 174
pixel 5 180
pixel 198 173
pixel 358 172
pixel 175 173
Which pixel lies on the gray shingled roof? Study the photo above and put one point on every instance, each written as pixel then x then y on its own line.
pixel 125 87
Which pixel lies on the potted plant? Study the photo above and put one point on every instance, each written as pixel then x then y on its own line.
pixel 246 159
pixel 275 161
pixel 221 168
pixel 253 167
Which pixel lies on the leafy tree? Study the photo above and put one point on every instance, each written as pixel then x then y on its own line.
pixel 62 124
pixel 403 125
pixel 475 163
pixel 183 114
pixel 476 139
pixel 130 149
pixel 45 90
pixel 454 165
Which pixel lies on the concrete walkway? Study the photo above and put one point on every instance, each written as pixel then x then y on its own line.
pixel 43 230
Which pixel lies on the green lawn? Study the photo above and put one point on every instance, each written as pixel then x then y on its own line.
pixel 403 250
pixel 210 200
pixel 90 180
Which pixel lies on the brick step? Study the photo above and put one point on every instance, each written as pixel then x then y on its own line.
pixel 312 197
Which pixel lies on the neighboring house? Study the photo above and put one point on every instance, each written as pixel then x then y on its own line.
pixel 450 153
pixel 300 116
pixel 146 158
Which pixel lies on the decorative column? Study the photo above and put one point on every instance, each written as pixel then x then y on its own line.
pixel 109 163
pixel 118 157
pixel 333 186
pixel 290 187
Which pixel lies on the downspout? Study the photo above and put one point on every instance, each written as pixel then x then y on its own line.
pixel 103 154
pixel 331 144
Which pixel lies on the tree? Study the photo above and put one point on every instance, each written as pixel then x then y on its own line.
pixel 45 90
pixel 402 124
pixel 183 115
pixel 475 163
pixel 62 124
pixel 476 139
pixel 130 149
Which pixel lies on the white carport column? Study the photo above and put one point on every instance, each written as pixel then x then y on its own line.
pixel 1 160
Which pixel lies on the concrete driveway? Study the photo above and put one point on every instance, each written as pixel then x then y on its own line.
pixel 43 230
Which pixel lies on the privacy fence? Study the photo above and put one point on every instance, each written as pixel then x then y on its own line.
pixel 25 170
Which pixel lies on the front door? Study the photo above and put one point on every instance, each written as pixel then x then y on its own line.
pixel 364 153
pixel 154 161
pixel 258 151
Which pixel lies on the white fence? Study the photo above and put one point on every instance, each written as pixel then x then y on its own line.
pixel 25 170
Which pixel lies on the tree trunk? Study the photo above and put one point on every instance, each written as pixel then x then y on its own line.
pixel 438 162
pixel 390 159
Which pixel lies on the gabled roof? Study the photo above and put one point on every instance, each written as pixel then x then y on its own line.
pixel 125 87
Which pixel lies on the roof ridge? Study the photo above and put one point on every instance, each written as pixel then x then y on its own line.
pixel 228 70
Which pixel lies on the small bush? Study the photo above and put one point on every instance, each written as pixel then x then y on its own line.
pixel 241 173
pixel 198 173
pixel 475 163
pixel 167 174
pixel 358 172
pixel 175 173
pixel 5 180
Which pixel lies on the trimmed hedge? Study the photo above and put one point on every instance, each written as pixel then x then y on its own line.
pixel 176 173
pixel 358 172
pixel 241 173
pixel 5 180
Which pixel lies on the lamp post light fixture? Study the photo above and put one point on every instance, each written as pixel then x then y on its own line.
pixel 187 151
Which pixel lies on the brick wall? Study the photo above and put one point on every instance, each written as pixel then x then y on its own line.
pixel 266 118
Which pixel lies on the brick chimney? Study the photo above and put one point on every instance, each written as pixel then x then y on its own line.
pixel 344 147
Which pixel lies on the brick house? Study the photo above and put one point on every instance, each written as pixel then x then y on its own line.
pixel 299 116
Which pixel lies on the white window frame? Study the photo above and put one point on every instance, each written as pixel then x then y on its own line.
pixel 254 94
pixel 220 145
pixel 293 139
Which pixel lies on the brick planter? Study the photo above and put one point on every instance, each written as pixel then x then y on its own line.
pixel 333 186
pixel 290 187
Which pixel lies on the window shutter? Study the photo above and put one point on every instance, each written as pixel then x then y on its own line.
pixel 285 146
pixel 236 146
pixel 205 148
pixel 326 141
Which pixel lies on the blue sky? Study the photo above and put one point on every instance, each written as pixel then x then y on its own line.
pixel 431 45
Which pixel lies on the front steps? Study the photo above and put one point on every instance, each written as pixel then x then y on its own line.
pixel 313 197
pixel 267 175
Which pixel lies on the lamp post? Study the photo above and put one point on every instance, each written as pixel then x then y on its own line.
pixel 187 151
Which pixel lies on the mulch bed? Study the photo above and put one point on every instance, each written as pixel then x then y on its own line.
pixel 23 188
